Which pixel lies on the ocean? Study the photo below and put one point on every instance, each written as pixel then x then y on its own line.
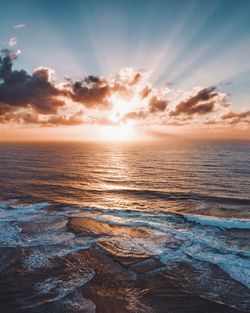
pixel 125 227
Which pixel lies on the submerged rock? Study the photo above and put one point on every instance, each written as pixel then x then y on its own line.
pixel 94 227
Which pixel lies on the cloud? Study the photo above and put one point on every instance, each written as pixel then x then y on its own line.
pixel 175 123
pixel 157 105
pixel 96 92
pixel 104 121
pixel 19 26
pixel 92 92
pixel 210 122
pixel 12 41
pixel 200 103
pixel 231 115
pixel 20 117
pixel 154 106
pixel 32 117
pixel 134 115
pixel 137 77
pixel 18 89
pixel 72 120
pixel 145 92
pixel 38 99
pixel 235 118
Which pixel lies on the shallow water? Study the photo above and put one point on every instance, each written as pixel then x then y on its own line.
pixel 174 217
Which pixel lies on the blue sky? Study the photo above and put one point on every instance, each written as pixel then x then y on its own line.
pixel 187 43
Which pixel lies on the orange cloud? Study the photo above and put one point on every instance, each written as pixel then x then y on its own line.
pixel 39 99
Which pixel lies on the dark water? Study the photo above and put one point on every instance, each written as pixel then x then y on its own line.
pixel 125 227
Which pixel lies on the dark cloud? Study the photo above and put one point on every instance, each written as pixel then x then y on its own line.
pixel 92 92
pixel 18 89
pixel 201 103
pixel 92 79
pixel 157 105
pixel 6 58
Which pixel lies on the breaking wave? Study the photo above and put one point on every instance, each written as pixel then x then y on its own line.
pixel 47 233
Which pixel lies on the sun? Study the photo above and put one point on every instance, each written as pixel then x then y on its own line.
pixel 119 128
pixel 124 132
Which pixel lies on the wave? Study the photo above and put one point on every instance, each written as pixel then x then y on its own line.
pixel 175 195
pixel 226 223
pixel 125 233
pixel 176 237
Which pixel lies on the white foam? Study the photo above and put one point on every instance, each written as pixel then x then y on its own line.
pixel 80 304
pixel 238 268
pixel 208 244
pixel 9 234
pixel 58 288
pixel 42 258
pixel 13 212
pixel 194 237
pixel 37 260
pixel 218 221
pixel 31 207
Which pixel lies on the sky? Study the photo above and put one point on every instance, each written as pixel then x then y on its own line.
pixel 124 70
